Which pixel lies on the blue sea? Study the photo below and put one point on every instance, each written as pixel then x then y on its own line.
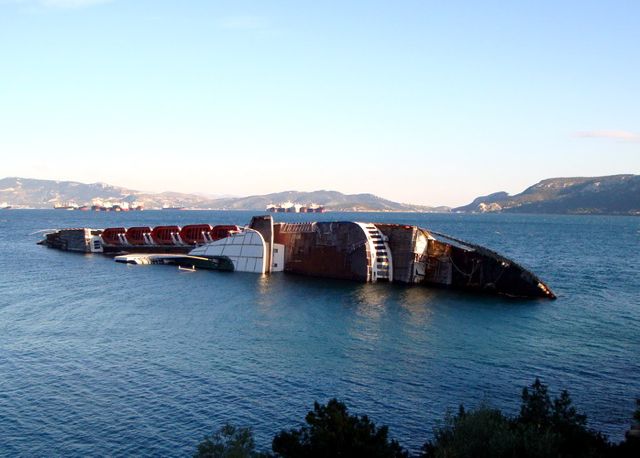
pixel 100 358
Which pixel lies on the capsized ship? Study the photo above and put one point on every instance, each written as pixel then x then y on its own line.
pixel 366 252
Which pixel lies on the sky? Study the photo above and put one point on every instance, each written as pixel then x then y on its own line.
pixel 425 102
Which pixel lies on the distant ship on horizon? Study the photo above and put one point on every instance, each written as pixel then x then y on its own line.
pixel 99 205
pixel 65 206
pixel 290 207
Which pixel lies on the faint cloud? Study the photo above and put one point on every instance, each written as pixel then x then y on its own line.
pixel 61 4
pixel 244 23
pixel 71 3
pixel 615 134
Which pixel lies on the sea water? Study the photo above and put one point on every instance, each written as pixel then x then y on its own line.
pixel 103 358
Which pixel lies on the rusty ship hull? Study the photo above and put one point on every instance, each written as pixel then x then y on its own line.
pixel 347 250
pixel 374 252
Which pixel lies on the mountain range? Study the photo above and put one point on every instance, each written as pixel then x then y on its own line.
pixel 615 194
pixel 33 193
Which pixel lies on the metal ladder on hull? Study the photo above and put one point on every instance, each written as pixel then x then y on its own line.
pixel 381 259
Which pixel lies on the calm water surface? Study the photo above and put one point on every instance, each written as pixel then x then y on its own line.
pixel 101 358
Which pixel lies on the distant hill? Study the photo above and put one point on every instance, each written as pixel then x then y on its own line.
pixel 32 193
pixel 611 195
pixel 331 200
pixel 617 194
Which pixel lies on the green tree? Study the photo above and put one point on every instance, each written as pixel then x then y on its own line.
pixel 556 425
pixel 545 428
pixel 480 433
pixel 630 447
pixel 535 409
pixel 332 432
pixel 228 442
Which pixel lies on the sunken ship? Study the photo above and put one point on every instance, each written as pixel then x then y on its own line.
pixel 365 252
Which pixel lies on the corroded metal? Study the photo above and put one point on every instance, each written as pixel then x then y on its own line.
pixel 476 268
pixel 333 250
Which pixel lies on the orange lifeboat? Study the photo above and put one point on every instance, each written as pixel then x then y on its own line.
pixel 138 235
pixel 113 235
pixel 165 235
pixel 195 233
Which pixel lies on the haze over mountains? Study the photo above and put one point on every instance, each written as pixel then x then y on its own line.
pixel 32 193
pixel 616 194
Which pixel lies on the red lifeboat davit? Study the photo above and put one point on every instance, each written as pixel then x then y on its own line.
pixel 138 235
pixel 113 236
pixel 196 233
pixel 165 235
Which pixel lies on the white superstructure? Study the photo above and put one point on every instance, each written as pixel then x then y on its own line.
pixel 247 251
pixel 381 258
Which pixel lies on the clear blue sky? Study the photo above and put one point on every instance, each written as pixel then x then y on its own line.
pixel 431 102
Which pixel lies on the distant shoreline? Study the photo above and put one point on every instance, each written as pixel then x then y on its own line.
pixel 634 214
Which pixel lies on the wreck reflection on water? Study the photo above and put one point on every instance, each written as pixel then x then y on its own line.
pixel 417 303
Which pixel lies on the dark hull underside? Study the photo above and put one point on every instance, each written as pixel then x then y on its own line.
pixel 475 268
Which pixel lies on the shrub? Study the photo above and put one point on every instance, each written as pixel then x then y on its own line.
pixel 332 432
pixel 228 442
pixel 556 425
pixel 544 428
pixel 482 432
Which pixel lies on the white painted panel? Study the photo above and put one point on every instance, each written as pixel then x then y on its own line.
pixel 232 250
pixel 252 251
pixel 421 243
pixel 277 258
pixel 246 250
